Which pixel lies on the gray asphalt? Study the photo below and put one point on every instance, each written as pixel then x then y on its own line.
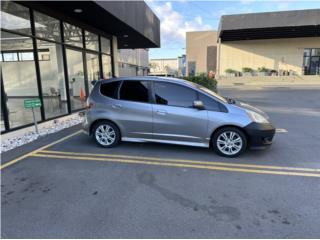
pixel 63 198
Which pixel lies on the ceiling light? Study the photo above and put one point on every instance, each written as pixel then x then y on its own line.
pixel 78 10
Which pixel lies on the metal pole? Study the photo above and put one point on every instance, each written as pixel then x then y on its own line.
pixel 35 121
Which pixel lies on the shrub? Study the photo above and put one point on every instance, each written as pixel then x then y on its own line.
pixel 229 70
pixel 203 80
pixel 247 70
pixel 263 69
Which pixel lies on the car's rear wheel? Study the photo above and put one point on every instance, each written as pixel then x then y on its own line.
pixel 106 134
pixel 229 142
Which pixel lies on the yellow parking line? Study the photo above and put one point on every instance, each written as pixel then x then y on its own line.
pixel 178 165
pixel 186 161
pixel 37 150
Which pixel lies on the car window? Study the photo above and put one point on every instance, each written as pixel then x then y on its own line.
pixel 174 94
pixel 110 89
pixel 209 103
pixel 136 91
pixel 208 91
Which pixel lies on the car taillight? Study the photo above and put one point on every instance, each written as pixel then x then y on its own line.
pixel 90 105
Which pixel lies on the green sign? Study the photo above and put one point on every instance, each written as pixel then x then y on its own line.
pixel 32 103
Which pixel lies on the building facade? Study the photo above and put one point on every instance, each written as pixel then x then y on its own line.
pixel 172 67
pixel 53 50
pixel 201 51
pixel 133 62
pixel 274 43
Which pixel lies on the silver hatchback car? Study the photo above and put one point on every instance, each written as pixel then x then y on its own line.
pixel 174 111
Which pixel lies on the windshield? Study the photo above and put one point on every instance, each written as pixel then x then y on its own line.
pixel 209 92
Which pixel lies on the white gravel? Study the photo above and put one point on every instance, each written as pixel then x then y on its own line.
pixel 26 136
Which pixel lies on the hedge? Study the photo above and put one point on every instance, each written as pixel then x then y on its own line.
pixel 203 80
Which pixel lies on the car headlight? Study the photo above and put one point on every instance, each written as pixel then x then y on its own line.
pixel 256 117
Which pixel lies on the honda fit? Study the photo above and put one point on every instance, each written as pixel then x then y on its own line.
pixel 174 111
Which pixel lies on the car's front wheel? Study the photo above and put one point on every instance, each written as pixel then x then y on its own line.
pixel 229 142
pixel 106 134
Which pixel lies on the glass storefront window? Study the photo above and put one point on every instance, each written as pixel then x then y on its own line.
pixel 306 52
pixel 77 89
pixel 52 79
pixel 15 17
pixel 72 35
pixel 18 67
pixel 2 123
pixel 92 68
pixel 105 45
pixel 10 56
pixel 19 79
pixel 92 41
pixel 315 52
pixel 47 27
pixel 311 61
pixel 26 56
pixel 106 66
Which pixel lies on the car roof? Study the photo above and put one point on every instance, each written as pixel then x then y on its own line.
pixel 146 78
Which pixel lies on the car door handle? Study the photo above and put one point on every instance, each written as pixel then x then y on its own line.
pixel 117 105
pixel 161 112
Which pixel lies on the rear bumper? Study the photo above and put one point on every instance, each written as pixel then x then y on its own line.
pixel 86 126
pixel 260 134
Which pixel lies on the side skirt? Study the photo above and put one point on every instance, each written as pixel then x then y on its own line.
pixel 194 144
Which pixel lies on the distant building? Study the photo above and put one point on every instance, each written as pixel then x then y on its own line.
pixel 133 62
pixel 174 67
pixel 258 44
pixel 201 51
pixel 271 43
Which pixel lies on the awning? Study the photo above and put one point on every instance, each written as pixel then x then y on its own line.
pixel 133 22
pixel 270 25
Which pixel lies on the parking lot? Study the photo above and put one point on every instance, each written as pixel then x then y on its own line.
pixel 65 186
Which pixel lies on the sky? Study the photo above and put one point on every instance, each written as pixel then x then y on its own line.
pixel 181 16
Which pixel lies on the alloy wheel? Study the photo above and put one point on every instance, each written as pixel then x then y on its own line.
pixel 105 135
pixel 229 143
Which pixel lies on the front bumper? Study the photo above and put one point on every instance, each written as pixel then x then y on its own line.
pixel 260 134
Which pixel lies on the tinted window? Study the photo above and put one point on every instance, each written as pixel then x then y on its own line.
pixel 209 103
pixel 174 95
pixel 134 91
pixel 109 89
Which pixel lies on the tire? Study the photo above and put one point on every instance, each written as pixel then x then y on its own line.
pixel 229 142
pixel 106 134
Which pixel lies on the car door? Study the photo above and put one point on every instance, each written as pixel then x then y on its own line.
pixel 174 118
pixel 134 109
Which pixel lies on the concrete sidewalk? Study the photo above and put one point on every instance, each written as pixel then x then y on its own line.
pixel 270 81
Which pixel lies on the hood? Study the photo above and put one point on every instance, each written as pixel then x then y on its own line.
pixel 252 108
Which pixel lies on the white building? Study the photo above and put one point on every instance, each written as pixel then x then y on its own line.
pixel 133 62
pixel 174 67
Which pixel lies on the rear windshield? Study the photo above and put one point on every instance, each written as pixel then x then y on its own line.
pixel 110 89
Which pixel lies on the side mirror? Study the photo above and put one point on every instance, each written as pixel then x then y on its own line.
pixel 198 104
pixel 93 82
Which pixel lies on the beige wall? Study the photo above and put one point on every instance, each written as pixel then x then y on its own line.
pixel 201 49
pixel 277 54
